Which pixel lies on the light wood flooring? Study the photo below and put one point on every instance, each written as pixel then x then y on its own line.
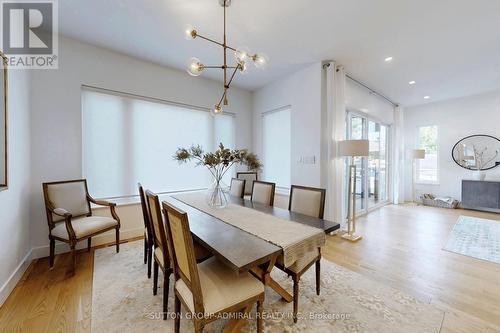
pixel 402 247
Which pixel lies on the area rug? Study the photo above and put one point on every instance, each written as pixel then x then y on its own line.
pixel 475 237
pixel 122 301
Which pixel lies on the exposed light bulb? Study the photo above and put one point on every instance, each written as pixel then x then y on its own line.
pixel 389 59
pixel 190 33
pixel 195 67
pixel 242 67
pixel 225 3
pixel 412 83
pixel 242 54
pixel 216 110
pixel 260 60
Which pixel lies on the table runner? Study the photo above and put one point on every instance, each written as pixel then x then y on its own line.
pixel 294 238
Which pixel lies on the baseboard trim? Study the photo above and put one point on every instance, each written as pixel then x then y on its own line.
pixel 14 278
pixel 107 238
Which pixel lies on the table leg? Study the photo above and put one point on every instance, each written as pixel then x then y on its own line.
pixel 264 274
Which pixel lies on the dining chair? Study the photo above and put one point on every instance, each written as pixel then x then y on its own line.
pixel 161 257
pixel 307 201
pixel 249 177
pixel 209 289
pixel 148 233
pixel 69 216
pixel 237 187
pixel 160 252
pixel 263 192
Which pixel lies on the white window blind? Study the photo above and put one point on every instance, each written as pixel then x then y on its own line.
pixel 277 147
pixel 127 139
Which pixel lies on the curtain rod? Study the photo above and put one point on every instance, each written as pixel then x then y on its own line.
pixel 371 90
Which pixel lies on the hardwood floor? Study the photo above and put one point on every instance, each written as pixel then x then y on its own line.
pixel 402 247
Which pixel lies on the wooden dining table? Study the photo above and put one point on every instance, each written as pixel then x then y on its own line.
pixel 240 250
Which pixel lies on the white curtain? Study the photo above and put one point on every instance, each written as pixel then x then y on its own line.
pixel 335 109
pixel 398 157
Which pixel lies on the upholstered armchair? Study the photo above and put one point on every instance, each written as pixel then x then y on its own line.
pixel 67 205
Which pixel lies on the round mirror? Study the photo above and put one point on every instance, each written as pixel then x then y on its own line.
pixel 477 152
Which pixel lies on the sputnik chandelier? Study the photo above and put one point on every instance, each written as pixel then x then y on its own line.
pixel 242 56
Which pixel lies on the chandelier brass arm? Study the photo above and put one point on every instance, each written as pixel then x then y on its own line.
pixel 196 67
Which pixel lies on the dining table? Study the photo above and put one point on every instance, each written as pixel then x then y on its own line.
pixel 229 235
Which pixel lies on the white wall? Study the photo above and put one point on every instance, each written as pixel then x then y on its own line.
pixel 456 119
pixel 14 201
pixel 302 91
pixel 57 122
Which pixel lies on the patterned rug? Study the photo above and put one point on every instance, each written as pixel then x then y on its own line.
pixel 475 237
pixel 122 301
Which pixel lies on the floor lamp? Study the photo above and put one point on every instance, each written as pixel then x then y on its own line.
pixel 417 154
pixel 352 148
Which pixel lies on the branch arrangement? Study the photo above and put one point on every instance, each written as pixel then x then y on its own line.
pixel 220 161
pixel 480 158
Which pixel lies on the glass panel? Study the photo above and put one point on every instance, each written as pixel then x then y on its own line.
pixel 378 185
pixel 357 133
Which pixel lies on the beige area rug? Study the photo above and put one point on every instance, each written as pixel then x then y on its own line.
pixel 122 301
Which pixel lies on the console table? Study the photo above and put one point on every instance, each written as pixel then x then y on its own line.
pixel 481 195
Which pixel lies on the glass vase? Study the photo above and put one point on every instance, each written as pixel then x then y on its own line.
pixel 218 194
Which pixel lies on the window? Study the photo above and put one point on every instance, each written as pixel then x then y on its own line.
pixel 277 147
pixel 127 139
pixel 427 170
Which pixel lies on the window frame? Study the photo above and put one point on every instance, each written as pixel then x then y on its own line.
pixel 417 166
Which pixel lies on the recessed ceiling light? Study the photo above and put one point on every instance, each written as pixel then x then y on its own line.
pixel 412 82
pixel 388 59
pixel 427 97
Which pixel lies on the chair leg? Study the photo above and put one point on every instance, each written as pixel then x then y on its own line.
pixel 89 242
pixel 145 250
pixel 166 285
pixel 52 254
pixel 295 298
pixel 318 277
pixel 150 259
pixel 155 278
pixel 259 316
pixel 177 323
pixel 73 253
pixel 117 240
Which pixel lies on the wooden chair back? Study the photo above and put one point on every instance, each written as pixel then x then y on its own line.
pixel 159 232
pixel 263 192
pixel 237 187
pixel 182 253
pixel 249 177
pixel 71 195
pixel 307 200
pixel 145 211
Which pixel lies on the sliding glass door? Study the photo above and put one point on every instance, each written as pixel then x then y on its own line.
pixel 372 181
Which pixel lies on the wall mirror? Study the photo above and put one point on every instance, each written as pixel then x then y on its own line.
pixel 477 152
pixel 3 122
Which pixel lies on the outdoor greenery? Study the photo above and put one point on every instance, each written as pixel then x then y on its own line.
pixel 428 138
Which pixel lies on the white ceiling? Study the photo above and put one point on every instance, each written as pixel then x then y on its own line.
pixel 450 47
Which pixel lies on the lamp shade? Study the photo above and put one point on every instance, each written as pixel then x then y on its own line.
pixel 354 148
pixel 418 154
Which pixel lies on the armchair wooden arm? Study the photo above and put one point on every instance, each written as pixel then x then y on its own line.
pixel 67 219
pixel 105 203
